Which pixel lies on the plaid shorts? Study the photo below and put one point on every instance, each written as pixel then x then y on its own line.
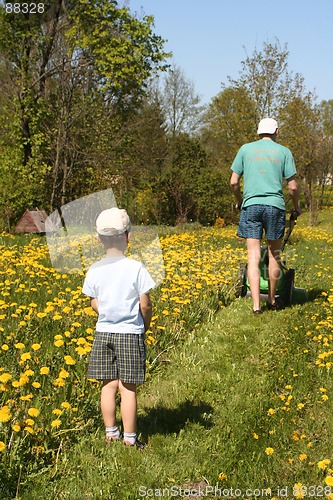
pixel 119 356
pixel 254 219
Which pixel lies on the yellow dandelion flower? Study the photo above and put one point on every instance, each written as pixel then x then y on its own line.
pixel 322 464
pixel 69 360
pixel 303 456
pixel 33 412
pixel 81 350
pixel 23 380
pixel 59 343
pixel 5 414
pixel 41 315
pixel 55 423
pixel 63 374
pixel 26 398
pixel 29 372
pixel 65 405
pixel 271 411
pixel 29 421
pixel 269 451
pixel 16 428
pixel 36 347
pixel 25 356
pixel 4 347
pixel 223 476
pixel 255 435
pixel 5 377
pixel 19 345
pixel 329 480
pixel 29 429
pixel 56 411
pixel 36 385
pixel 59 382
pixel 2 446
pixel 44 370
pixel 298 490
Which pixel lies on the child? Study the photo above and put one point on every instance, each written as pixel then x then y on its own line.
pixel 119 291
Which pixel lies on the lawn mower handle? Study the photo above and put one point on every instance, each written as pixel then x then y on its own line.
pixel 292 221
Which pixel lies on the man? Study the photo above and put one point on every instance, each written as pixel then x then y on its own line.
pixel 264 164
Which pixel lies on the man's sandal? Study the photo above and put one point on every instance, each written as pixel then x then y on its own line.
pixel 277 306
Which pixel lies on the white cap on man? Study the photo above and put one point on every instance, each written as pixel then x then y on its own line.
pixel 267 126
pixel 112 222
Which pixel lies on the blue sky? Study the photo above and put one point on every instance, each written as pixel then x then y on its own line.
pixel 207 37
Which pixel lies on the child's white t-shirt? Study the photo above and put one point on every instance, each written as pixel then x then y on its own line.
pixel 117 283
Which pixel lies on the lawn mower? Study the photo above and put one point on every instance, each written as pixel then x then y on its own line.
pixel 285 291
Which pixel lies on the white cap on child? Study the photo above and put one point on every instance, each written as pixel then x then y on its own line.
pixel 113 221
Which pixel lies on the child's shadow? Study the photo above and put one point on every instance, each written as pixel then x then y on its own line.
pixel 162 420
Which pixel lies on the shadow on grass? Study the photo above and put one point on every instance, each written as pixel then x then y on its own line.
pixel 163 420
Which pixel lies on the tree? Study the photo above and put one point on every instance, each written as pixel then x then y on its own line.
pixel 269 83
pixel 325 146
pixel 229 122
pixel 180 103
pixel 299 132
pixel 181 177
pixel 87 61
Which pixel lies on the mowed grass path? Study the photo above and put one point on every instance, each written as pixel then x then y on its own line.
pixel 237 407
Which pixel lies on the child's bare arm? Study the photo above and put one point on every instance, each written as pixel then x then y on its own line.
pixel 94 304
pixel 146 308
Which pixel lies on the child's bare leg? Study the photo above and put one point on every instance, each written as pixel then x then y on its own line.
pixel 128 411
pixel 108 402
pixel 128 406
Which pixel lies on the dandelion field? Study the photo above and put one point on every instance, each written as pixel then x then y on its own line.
pixel 48 406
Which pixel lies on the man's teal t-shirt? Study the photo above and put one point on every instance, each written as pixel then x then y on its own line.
pixel 264 164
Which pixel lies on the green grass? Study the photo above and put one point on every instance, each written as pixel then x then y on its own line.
pixel 238 385
pixel 199 415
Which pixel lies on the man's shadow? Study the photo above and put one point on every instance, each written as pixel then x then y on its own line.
pixel 162 420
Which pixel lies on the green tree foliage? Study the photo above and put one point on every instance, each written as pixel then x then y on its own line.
pixel 230 121
pixel 121 50
pixel 191 187
pixel 266 77
pixel 80 67
pixel 325 146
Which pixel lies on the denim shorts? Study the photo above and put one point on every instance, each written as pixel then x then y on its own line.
pixel 254 219
pixel 119 356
